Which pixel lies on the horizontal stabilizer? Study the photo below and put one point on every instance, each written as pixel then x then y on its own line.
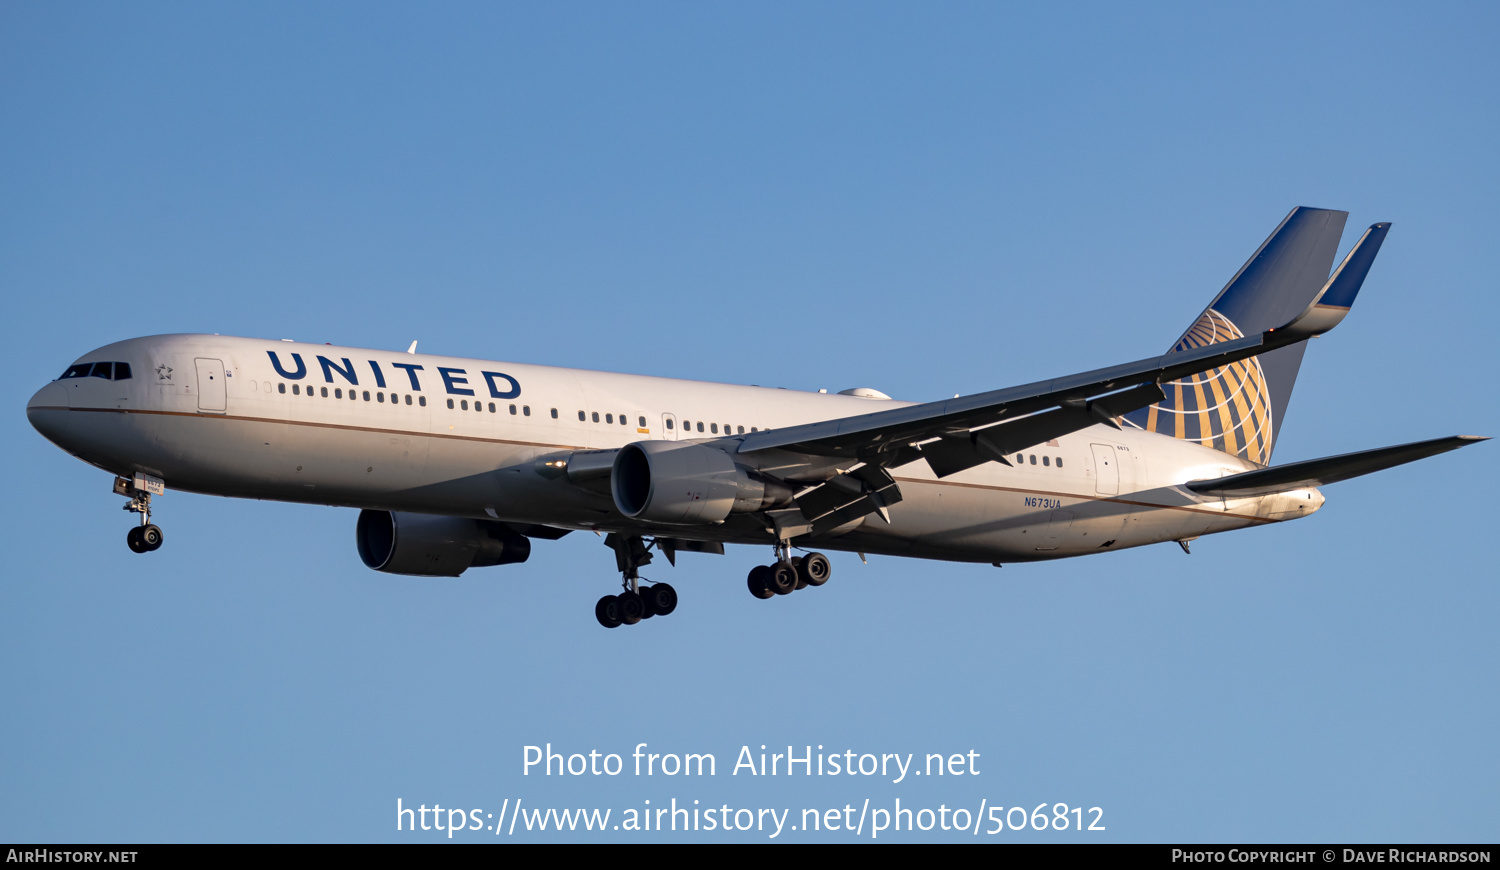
pixel 1330 469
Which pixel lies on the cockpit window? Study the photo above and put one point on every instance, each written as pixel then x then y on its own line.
pixel 110 371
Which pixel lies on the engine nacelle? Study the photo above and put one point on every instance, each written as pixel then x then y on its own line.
pixel 434 546
pixel 688 484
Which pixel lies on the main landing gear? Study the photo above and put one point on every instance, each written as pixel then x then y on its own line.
pixel 145 537
pixel 788 573
pixel 636 602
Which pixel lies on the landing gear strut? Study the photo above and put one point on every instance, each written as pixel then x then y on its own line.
pixel 635 603
pixel 145 537
pixel 788 573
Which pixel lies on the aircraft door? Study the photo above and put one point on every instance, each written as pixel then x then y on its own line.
pixel 211 390
pixel 669 427
pixel 1106 470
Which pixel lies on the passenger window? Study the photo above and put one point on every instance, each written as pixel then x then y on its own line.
pixel 526 411
pixel 643 423
pixel 622 420
pixel 596 416
pixel 1033 459
pixel 296 391
pixel 513 410
pixel 122 371
pixel 408 400
pixel 700 425
pixel 367 395
pixel 554 413
pixel 1047 460
pixel 669 423
pixel 1059 462
pixel 281 388
pixel 479 407
pixel 380 397
pixel 492 407
pixel 582 418
pixel 753 429
pixel 450 404
pixel 714 427
pixel 463 404
pixel 325 392
pixel 422 400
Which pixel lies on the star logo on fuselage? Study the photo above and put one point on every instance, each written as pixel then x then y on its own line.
pixel 164 372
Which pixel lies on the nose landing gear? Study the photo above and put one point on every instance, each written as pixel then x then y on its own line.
pixel 145 537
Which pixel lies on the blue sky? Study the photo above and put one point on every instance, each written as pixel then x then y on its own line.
pixel 924 201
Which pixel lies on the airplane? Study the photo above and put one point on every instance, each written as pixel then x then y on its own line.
pixel 461 463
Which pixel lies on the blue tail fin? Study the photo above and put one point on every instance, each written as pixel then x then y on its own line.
pixel 1237 409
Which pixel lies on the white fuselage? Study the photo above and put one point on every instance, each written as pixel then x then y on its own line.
pixel 213 414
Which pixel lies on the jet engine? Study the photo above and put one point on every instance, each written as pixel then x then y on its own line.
pixel 688 484
pixel 435 546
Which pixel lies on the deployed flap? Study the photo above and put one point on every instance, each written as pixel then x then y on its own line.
pixel 670 547
pixel 952 454
pixel 845 498
pixel 1330 469
pixel 534 530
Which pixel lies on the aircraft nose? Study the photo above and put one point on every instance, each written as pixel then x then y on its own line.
pixel 48 409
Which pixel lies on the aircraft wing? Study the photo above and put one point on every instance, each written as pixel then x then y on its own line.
pixel 963 432
pixel 973 429
pixel 1329 469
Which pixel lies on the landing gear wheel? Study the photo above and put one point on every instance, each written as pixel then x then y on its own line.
pixel 783 578
pixel 151 537
pixel 757 582
pixel 801 577
pixel 814 570
pixel 632 608
pixel 661 599
pixel 133 538
pixel 607 611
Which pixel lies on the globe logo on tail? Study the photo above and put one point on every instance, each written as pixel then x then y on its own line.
pixel 1227 408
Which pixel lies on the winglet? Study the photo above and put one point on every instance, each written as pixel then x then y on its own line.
pixel 1333 302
